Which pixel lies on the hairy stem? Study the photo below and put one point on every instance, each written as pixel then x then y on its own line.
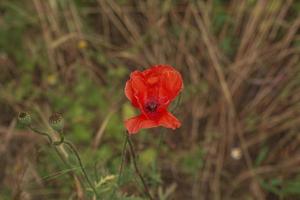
pixel 62 139
pixel 42 133
pixel 72 147
pixel 136 167
pixel 123 159
pixel 121 166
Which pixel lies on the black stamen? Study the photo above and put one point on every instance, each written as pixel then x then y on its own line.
pixel 151 106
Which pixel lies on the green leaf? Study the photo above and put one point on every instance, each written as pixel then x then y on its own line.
pixel 192 161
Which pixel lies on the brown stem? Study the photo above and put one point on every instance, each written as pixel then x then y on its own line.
pixel 136 167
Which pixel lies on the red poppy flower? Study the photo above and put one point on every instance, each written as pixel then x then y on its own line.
pixel 152 91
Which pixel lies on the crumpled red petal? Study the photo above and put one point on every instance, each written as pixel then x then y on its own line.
pixel 135 124
pixel 136 89
pixel 171 84
pixel 169 121
pixel 130 93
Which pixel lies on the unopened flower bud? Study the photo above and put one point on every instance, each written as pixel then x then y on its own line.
pixel 24 118
pixel 57 122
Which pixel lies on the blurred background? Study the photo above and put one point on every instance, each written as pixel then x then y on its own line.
pixel 240 108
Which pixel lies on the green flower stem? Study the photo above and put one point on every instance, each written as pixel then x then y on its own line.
pixel 42 133
pixel 50 141
pixel 113 194
pixel 136 167
pixel 160 142
pixel 123 160
pixel 72 147
pixel 62 139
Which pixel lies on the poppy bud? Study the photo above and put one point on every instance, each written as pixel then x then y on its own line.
pixel 57 122
pixel 24 118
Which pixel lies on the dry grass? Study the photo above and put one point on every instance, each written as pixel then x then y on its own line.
pixel 241 73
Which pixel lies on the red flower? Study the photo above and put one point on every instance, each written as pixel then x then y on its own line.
pixel 152 91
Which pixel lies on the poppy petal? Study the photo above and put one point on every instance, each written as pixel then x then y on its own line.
pixel 129 93
pixel 139 87
pixel 157 70
pixel 171 84
pixel 169 121
pixel 133 125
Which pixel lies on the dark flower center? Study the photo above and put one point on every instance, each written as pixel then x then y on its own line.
pixel 151 106
pixel 22 114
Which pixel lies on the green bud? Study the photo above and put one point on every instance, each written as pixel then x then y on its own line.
pixel 57 122
pixel 24 118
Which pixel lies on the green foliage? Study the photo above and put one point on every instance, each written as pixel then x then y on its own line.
pixel 128 111
pixel 15 22
pixel 291 187
pixel 192 161
pixel 262 155
pixel 283 189
pixel 220 15
pixel 148 157
pixel 272 186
